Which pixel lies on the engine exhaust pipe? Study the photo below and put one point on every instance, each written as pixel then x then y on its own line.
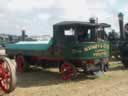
pixel 121 26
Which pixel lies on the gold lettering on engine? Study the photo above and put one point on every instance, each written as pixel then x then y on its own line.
pixel 96 46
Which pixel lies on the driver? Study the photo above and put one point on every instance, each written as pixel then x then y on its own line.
pixel 82 36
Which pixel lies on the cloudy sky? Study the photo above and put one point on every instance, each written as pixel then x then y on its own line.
pixel 38 16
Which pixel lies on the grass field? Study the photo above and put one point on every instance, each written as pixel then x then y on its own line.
pixel 48 82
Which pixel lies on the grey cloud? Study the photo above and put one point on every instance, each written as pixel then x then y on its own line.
pixel 14 22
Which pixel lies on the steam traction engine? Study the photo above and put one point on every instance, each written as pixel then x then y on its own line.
pixel 123 44
pixel 75 45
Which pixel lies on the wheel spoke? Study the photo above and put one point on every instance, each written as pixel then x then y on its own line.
pixel 6 73
pixel 5 67
pixel 5 84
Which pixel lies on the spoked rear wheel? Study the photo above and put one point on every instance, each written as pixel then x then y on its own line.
pixel 68 71
pixel 7 75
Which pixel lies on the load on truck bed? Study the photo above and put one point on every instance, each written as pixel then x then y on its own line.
pixel 28 47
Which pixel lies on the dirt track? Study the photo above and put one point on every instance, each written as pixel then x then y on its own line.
pixel 48 83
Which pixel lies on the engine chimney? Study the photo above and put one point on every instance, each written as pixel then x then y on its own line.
pixel 121 26
pixel 93 30
pixel 23 35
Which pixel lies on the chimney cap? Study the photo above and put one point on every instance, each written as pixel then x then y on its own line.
pixel 92 20
pixel 120 14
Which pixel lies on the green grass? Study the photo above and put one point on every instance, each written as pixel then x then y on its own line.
pixel 115 64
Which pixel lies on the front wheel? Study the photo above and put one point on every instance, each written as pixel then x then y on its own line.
pixel 68 71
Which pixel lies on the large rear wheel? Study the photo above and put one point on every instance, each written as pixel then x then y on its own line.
pixel 7 75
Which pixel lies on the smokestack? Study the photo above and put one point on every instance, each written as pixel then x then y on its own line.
pixel 121 25
pixel 92 20
pixel 93 30
pixel 23 35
